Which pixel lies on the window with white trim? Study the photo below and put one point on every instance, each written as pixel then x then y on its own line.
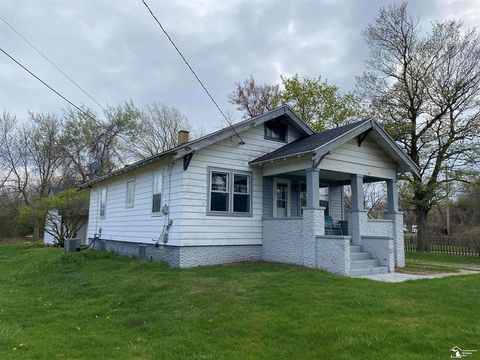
pixel 157 192
pixel 230 192
pixel 103 202
pixel 130 194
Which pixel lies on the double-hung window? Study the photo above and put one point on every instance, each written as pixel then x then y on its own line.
pixel 103 202
pixel 230 192
pixel 130 194
pixel 157 192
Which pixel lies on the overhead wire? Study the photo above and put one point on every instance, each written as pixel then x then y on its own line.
pixel 48 86
pixel 52 63
pixel 241 142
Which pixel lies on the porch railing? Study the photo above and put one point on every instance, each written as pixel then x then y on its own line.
pixel 444 245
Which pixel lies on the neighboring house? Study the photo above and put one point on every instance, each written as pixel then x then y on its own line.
pixel 217 199
pixel 48 238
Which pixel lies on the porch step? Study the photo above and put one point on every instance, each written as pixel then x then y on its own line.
pixel 359 256
pixel 364 264
pixel 369 271
pixel 355 248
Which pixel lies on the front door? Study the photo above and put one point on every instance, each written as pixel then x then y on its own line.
pixel 281 198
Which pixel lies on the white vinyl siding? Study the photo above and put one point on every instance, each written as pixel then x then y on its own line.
pixel 186 194
pixel 198 228
pixel 137 224
pixel 130 200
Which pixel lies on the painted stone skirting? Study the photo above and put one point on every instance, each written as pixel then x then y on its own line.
pixel 379 227
pixel 357 225
pixel 183 257
pixel 381 248
pixel 313 226
pixel 398 238
pixel 333 254
pixel 282 240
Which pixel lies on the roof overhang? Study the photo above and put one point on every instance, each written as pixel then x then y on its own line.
pixel 405 164
pixel 197 144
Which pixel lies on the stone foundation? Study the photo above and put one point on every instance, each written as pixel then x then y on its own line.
pixel 185 256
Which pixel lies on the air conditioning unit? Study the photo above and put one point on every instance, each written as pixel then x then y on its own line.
pixel 72 245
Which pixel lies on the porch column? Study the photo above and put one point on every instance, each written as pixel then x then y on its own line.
pixel 397 216
pixel 313 219
pixel 313 186
pixel 357 217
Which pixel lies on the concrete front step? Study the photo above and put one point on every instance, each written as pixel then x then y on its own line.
pixel 369 271
pixel 360 256
pixel 364 264
pixel 355 248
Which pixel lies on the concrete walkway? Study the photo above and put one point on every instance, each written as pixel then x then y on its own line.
pixel 401 277
pixel 395 277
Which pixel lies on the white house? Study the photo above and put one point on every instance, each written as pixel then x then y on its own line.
pixel 269 188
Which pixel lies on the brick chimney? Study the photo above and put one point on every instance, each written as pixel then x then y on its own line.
pixel 182 137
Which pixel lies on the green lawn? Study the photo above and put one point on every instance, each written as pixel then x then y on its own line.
pixel 93 305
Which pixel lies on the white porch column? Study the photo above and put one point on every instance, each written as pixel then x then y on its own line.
pixel 313 219
pixel 397 217
pixel 357 217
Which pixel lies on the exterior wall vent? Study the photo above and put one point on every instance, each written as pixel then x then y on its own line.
pixel 142 252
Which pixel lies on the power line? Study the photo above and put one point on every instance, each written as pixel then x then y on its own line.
pixel 48 86
pixel 193 72
pixel 52 63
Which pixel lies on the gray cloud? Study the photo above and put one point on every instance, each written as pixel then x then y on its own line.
pixel 116 51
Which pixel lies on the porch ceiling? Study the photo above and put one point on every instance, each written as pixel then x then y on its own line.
pixel 334 176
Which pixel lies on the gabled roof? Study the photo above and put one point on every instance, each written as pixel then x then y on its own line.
pixel 321 143
pixel 196 144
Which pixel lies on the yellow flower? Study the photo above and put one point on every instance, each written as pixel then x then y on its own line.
pixel 14 349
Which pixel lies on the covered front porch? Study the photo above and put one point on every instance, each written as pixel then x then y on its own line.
pixel 304 218
pixel 305 222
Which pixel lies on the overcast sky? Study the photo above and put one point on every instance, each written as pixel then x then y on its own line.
pixel 115 51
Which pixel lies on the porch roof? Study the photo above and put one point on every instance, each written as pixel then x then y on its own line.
pixel 321 143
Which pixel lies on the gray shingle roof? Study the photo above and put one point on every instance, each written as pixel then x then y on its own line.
pixel 308 143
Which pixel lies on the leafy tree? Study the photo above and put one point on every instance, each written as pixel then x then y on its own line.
pixel 318 103
pixel 426 88
pixel 253 99
pixel 64 214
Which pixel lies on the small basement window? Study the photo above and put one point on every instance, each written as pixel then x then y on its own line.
pixel 276 130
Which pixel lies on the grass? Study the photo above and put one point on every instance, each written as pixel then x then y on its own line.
pixel 94 305
pixel 431 263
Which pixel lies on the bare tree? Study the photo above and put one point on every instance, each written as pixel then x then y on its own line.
pixel 157 130
pixel 253 99
pixel 42 140
pixel 14 157
pixel 426 89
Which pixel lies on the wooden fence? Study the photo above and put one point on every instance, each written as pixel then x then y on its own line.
pixel 444 245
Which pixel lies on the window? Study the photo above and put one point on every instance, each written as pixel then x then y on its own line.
pixel 103 202
pixel 130 193
pixel 276 130
pixel 157 192
pixel 229 192
pixel 241 193
pixel 219 191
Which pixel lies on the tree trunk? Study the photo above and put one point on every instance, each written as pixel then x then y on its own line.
pixel 422 228
pixel 36 230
